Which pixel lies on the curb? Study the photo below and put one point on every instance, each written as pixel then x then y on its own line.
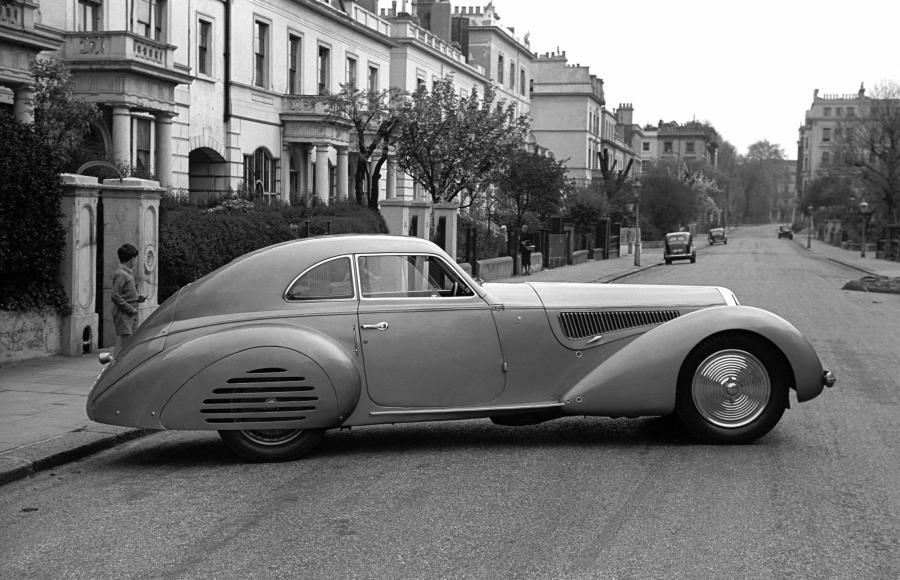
pixel 29 459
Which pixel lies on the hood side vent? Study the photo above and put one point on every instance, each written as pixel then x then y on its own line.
pixel 580 325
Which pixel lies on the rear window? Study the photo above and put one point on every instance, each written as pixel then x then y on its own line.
pixel 678 238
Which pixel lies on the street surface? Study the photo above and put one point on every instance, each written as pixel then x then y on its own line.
pixel 573 498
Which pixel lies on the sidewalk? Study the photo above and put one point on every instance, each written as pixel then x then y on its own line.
pixel 42 402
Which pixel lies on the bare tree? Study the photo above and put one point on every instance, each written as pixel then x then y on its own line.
pixel 870 147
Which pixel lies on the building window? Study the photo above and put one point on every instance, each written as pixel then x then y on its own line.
pixel 645 146
pixel 204 48
pixel 142 148
pixel 522 81
pixel 350 73
pixel 851 111
pixel 260 173
pixel 826 157
pixel 420 83
pixel 373 79
pixel 501 64
pixel 826 111
pixel 512 75
pixel 295 47
pixel 260 54
pixel 689 148
pixel 826 134
pixel 89 15
pixel 839 111
pixel 667 146
pixel 149 16
pixel 324 70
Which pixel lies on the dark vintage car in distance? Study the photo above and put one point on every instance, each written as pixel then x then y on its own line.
pixel 717 236
pixel 785 232
pixel 679 246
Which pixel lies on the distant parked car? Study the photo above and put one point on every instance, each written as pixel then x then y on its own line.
pixel 717 236
pixel 785 232
pixel 679 246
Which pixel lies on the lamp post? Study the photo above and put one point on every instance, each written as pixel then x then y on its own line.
pixel 865 213
pixel 637 222
pixel 809 210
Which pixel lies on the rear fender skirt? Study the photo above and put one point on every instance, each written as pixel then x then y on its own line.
pixel 641 378
pixel 252 371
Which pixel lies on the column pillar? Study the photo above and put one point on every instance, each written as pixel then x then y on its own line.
pixel 342 173
pixel 164 148
pixel 121 134
pixel 322 173
pixel 23 107
pixel 286 150
pixel 391 189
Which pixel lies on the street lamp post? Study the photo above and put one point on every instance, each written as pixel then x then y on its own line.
pixel 637 222
pixel 809 211
pixel 865 213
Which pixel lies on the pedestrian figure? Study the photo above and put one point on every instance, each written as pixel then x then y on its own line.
pixel 125 297
pixel 525 248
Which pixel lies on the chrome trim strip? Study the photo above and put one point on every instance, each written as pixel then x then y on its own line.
pixel 460 410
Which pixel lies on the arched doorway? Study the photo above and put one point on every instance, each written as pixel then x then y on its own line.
pixel 208 179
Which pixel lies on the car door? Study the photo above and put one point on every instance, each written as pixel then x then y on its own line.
pixel 428 339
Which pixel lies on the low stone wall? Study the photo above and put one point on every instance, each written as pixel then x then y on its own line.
pixel 28 335
pixel 580 256
pixel 495 268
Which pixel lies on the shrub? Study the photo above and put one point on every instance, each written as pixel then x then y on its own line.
pixel 194 241
pixel 32 238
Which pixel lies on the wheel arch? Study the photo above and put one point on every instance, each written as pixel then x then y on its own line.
pixel 641 377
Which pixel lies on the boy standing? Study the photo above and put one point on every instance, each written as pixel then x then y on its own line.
pixel 124 295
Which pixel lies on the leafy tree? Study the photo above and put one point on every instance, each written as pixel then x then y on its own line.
pixel 871 146
pixel 532 183
pixel 60 117
pixel 455 146
pixel 32 238
pixel 758 174
pixel 373 115
pixel 667 202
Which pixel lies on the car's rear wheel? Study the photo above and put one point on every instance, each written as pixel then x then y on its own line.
pixel 731 389
pixel 272 444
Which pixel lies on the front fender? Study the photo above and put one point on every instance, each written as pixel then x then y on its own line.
pixel 255 376
pixel 641 378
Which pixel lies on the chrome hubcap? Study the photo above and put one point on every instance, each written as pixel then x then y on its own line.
pixel 731 388
pixel 273 436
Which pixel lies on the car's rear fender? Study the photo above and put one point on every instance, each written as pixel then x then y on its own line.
pixel 257 376
pixel 641 378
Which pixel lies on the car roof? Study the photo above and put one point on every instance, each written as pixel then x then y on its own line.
pixel 251 281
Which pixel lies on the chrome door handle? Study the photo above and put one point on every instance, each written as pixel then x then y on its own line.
pixel 379 326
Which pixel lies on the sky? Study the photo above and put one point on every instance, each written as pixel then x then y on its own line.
pixel 748 68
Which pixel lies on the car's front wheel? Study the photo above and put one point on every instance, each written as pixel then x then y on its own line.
pixel 272 444
pixel 731 389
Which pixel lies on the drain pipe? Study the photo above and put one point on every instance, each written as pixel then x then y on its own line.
pixel 227 61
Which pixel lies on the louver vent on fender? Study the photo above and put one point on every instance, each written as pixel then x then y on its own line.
pixel 578 325
pixel 265 395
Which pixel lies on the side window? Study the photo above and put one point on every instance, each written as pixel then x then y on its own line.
pixel 412 276
pixel 327 281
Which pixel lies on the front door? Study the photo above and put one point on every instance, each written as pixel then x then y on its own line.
pixel 428 339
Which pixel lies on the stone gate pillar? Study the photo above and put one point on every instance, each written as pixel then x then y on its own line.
pixel 130 216
pixel 78 271
pixel 445 218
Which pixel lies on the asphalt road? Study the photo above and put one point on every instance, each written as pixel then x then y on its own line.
pixel 574 498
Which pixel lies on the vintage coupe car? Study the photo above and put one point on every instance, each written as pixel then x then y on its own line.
pixel 331 332
pixel 679 246
pixel 785 232
pixel 717 236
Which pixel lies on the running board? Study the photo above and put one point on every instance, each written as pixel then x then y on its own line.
pixel 467 410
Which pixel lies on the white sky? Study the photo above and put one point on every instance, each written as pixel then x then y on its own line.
pixel 747 67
